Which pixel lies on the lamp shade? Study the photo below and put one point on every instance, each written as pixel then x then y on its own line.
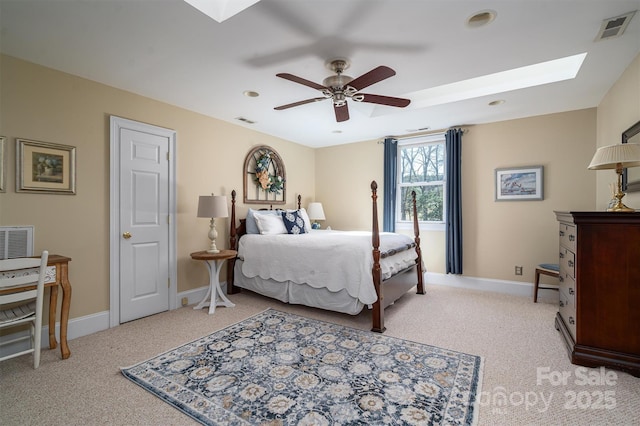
pixel 608 157
pixel 212 206
pixel 315 211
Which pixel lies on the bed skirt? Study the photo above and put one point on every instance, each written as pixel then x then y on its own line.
pixel 321 298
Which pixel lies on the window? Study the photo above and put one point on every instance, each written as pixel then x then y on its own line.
pixel 421 168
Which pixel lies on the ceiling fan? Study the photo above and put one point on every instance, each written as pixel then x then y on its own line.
pixel 340 87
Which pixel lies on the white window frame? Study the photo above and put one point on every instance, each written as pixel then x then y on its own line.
pixel 433 139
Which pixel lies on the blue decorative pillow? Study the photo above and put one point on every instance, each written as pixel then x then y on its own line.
pixel 294 222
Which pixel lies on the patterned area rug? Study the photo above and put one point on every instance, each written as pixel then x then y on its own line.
pixel 276 368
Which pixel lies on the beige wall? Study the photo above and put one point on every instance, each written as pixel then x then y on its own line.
pixel 618 111
pixel 497 235
pixel 42 104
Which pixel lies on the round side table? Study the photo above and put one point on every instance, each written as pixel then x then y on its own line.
pixel 215 296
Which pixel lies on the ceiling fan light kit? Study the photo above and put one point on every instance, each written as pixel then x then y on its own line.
pixel 340 87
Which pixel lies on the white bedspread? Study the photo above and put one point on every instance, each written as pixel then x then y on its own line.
pixel 334 260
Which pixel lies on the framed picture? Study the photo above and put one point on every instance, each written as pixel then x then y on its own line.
pixel 45 167
pixel 519 184
pixel 2 165
pixel 631 175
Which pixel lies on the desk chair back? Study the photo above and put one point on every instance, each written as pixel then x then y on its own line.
pixel 21 299
pixel 550 269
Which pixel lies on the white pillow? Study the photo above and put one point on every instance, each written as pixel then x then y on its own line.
pixel 269 224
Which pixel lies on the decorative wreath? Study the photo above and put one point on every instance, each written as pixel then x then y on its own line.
pixel 269 183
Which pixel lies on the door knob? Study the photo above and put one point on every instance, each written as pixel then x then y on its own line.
pixel 126 235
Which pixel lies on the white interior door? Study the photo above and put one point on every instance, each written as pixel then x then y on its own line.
pixel 143 222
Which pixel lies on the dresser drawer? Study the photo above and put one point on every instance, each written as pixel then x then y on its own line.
pixel 568 236
pixel 567 262
pixel 568 312
pixel 568 287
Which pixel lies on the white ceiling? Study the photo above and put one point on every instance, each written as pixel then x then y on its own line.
pixel 169 51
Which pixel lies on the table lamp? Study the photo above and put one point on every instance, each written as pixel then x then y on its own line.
pixel 212 206
pixel 617 157
pixel 315 212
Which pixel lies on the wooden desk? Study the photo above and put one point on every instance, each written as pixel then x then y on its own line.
pixel 62 279
pixel 61 264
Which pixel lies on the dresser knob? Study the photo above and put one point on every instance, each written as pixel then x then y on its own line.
pixel 561 304
pixel 572 237
pixel 571 291
pixel 572 321
pixel 562 233
pixel 570 263
pixel 561 255
pixel 561 279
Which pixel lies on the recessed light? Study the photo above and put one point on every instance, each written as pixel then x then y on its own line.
pixel 251 94
pixel 337 131
pixel 481 18
pixel 497 102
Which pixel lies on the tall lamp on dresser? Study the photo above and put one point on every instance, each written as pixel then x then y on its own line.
pixel 617 157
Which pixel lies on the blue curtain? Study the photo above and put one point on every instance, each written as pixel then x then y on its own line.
pixel 453 221
pixel 390 182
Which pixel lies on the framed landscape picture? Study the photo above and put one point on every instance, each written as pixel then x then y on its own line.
pixel 45 167
pixel 519 183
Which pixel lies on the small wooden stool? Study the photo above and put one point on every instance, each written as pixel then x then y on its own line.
pixel 549 269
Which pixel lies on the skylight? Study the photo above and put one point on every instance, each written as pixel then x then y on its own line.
pixel 220 10
pixel 500 82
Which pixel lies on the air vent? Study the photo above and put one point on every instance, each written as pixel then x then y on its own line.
pixel 16 241
pixel 245 120
pixel 614 27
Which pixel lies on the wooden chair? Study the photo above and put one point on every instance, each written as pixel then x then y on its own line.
pixel 549 269
pixel 21 299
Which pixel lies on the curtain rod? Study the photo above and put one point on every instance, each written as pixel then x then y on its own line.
pixel 420 135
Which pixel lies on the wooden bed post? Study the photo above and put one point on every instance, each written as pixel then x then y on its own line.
pixel 233 245
pixel 299 201
pixel 378 306
pixel 416 233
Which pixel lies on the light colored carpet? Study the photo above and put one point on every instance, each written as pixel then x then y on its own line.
pixel 515 337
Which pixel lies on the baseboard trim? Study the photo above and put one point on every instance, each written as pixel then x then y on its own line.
pixel 516 288
pixel 89 324
pixel 82 326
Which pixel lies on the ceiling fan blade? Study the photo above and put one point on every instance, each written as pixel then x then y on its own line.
pixel 382 100
pixel 372 77
pixel 302 81
pixel 342 112
pixel 295 104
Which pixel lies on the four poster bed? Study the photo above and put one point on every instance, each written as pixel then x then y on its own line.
pixel 341 271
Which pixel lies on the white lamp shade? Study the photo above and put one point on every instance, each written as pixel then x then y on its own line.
pixel 315 211
pixel 608 157
pixel 212 206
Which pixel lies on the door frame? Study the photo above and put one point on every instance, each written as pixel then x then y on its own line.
pixel 117 123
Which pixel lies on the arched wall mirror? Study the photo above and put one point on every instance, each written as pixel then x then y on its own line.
pixel 631 176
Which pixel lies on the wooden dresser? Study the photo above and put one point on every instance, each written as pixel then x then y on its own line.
pixel 599 314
